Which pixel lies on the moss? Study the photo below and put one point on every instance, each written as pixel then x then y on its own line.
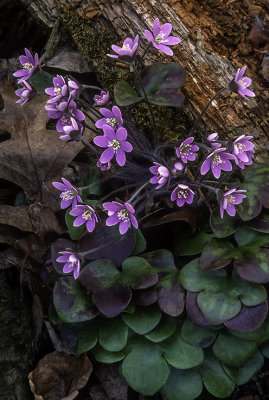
pixel 94 46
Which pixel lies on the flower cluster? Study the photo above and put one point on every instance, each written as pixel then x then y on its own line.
pixel 29 67
pixel 61 106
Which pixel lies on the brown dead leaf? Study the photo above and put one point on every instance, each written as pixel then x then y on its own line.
pixel 59 376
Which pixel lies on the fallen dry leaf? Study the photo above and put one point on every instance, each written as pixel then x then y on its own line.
pixel 59 376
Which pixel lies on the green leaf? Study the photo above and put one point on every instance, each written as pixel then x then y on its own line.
pixel 113 334
pixel 265 350
pixel 223 227
pixel 99 274
pixel 216 254
pixel 144 368
pixel 74 232
pixel 233 351
pixel 191 245
pixel 252 294
pixel 143 320
pixel 218 307
pixel 108 357
pixel 214 377
pixel 92 177
pixel 164 330
pixel 140 243
pixel 243 374
pixel 195 280
pixel 260 223
pixel 41 81
pixel 80 337
pixel 182 385
pixel 161 82
pixel 71 301
pixel 138 273
pixel 181 354
pixel 259 335
pixel 197 335
pixel 125 95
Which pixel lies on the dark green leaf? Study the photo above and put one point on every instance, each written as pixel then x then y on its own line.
pixel 74 232
pixel 145 369
pixel 182 385
pixel 260 223
pixel 71 301
pixel 41 81
pixel 181 354
pixel 98 275
pixel 233 351
pixel 265 350
pixel 191 245
pixel 216 254
pixel 163 331
pixel 113 334
pixel 160 259
pixel 243 374
pixel 80 337
pixel 138 273
pixel 125 95
pixel 223 227
pixel 108 357
pixel 140 243
pixel 143 320
pixel 197 335
pixel 214 377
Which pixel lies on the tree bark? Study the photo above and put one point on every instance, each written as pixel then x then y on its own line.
pixel 214 45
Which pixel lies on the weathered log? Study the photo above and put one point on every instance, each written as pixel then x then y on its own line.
pixel 214 44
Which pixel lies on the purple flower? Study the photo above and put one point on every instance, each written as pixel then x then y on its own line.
pixel 186 151
pixel 229 200
pixel 241 83
pixel 84 214
pixel 67 115
pixel 217 161
pixel 182 194
pixel 112 118
pixel 161 175
pixel 243 150
pixel 23 92
pixel 212 139
pixel 177 167
pixel 122 214
pixel 116 145
pixel 101 99
pixel 58 91
pixel 160 38
pixel 29 64
pixel 72 263
pixel 73 88
pixel 128 48
pixel 104 166
pixel 69 194
pixel 242 164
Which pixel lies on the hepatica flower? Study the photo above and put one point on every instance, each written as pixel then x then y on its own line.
pixel 182 194
pixel 84 214
pixel 243 150
pixel 161 175
pixel 102 98
pixel 116 145
pixel 186 151
pixel 229 200
pixel 69 194
pixel 122 214
pixel 241 83
pixel 128 48
pixel 58 91
pixel 67 115
pixel 29 64
pixel 160 38
pixel 212 139
pixel 103 166
pixel 112 118
pixel 72 263
pixel 218 160
pixel 23 92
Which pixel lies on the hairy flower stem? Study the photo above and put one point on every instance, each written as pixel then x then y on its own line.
pixel 137 192
pixel 89 107
pixel 205 110
pixel 88 127
pixel 99 182
pixel 90 146
pixel 155 131
pixel 91 87
pixel 116 191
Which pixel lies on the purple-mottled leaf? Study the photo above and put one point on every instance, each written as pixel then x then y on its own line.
pixel 145 297
pixel 161 82
pixel 193 311
pixel 60 245
pixel 225 226
pixel 171 297
pixel 71 301
pixel 249 318
pixel 160 259
pixel 260 223
pixel 251 205
pixel 98 275
pixel 254 266
pixel 216 254
pixel 107 242
pixel 113 301
pixel 138 273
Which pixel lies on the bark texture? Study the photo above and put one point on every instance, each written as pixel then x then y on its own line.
pixel 214 44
